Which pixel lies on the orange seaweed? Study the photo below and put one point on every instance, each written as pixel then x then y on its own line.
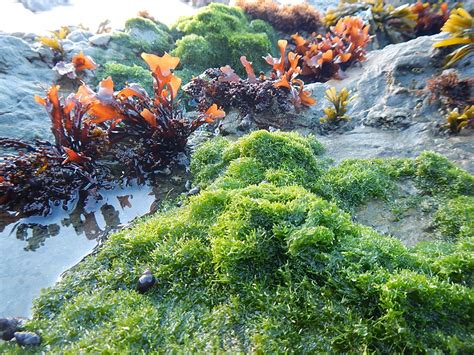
pixel 82 62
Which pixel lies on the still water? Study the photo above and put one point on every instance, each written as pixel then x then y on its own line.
pixel 35 251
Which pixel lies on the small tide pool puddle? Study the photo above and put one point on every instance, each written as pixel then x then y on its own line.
pixel 35 251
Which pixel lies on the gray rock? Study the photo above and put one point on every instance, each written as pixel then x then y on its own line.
pixel 22 75
pixel 324 5
pixel 79 35
pixel 42 5
pixel 27 338
pixel 391 114
pixel 100 39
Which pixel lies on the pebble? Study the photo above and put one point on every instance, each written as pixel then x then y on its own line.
pixel 194 191
pixel 100 39
pixel 27 338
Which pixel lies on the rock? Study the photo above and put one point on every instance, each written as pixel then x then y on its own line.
pixel 322 5
pixel 42 5
pixel 8 327
pixel 27 338
pixel 194 191
pixel 22 75
pixel 100 39
pixel 79 35
pixel 390 114
pixel 146 281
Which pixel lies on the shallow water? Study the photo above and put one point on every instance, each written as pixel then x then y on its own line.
pixel 35 251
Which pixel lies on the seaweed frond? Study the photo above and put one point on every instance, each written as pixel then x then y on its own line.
pixel 451 90
pixel 430 17
pixel 460 26
pixel 339 101
pixel 281 90
pixel 55 40
pixel 456 120
pixel 99 137
pixel 325 57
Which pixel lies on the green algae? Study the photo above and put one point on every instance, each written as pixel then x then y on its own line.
pixel 268 259
pixel 219 35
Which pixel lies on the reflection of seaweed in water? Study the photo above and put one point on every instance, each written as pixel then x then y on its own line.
pixel 82 222
pixel 39 233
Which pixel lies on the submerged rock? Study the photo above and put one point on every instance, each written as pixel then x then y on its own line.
pixel 27 338
pixel 146 281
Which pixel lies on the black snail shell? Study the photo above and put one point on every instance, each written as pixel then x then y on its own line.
pixel 146 281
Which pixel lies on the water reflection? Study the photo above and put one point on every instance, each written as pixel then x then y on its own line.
pixel 35 251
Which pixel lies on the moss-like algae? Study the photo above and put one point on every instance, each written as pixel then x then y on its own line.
pixel 219 35
pixel 265 260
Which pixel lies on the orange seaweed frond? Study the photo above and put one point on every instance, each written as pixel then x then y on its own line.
pixel 82 62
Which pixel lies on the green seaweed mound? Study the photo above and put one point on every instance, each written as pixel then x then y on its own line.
pixel 219 35
pixel 267 259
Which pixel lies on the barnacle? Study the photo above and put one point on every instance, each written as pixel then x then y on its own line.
pixel 339 101
pixel 458 120
pixel 460 26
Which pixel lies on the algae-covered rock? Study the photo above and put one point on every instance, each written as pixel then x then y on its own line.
pixel 264 259
pixel 218 35
pixel 391 112
pixel 118 53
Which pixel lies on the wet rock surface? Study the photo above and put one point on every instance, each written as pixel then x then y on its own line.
pixel 23 74
pixel 408 217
